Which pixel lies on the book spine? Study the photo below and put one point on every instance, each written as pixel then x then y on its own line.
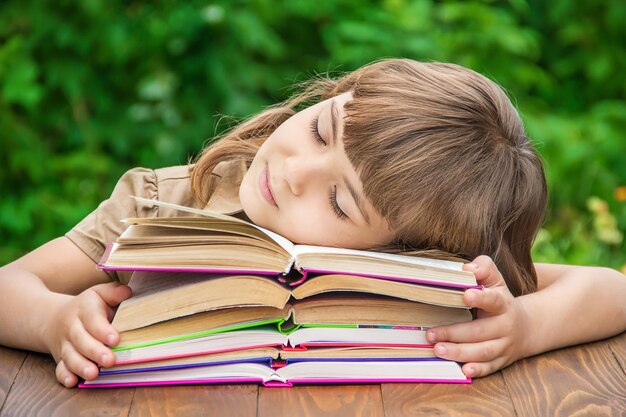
pixel 277 364
pixel 293 278
pixel 277 384
pixel 305 275
pixel 289 348
pixel 105 257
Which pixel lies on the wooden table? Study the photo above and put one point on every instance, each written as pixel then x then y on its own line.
pixel 585 380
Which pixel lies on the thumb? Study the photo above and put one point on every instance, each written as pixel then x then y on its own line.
pixel 113 293
pixel 486 272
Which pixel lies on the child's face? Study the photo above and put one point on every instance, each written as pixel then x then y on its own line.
pixel 302 185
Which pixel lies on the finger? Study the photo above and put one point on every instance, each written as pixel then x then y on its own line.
pixel 487 328
pixel 490 350
pixel 96 322
pixel 485 271
pixel 112 293
pixel 77 363
pixel 490 300
pixel 90 347
pixel 64 376
pixel 477 370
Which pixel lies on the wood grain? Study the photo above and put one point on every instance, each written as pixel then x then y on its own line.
pixel 37 393
pixel 327 400
pixel 484 397
pixel 578 381
pixel 10 362
pixel 583 380
pixel 617 345
pixel 191 401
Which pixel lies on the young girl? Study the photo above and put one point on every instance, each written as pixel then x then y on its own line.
pixel 401 156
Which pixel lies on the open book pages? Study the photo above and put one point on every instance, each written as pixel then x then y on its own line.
pixel 284 243
pixel 301 372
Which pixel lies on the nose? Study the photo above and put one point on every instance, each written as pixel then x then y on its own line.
pixel 302 174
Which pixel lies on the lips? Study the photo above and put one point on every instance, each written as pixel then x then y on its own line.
pixel 265 187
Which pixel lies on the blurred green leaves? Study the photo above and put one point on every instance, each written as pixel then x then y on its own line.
pixel 89 89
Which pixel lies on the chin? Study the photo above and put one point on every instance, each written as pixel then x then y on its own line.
pixel 255 215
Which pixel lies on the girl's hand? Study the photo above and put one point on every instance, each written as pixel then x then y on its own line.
pixel 80 332
pixel 496 337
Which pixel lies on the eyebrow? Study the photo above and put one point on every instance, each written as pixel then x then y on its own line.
pixel 353 192
pixel 334 113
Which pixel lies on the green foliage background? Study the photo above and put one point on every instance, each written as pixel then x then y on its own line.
pixel 91 88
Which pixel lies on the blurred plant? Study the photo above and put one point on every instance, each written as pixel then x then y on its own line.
pixel 604 223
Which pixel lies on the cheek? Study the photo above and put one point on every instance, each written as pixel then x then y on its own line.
pixel 310 233
pixel 307 228
pixel 245 189
pixel 292 135
pixel 250 200
pixel 326 233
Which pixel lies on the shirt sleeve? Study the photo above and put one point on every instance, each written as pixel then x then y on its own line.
pixel 104 225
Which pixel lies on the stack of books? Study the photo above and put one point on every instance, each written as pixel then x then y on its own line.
pixel 219 300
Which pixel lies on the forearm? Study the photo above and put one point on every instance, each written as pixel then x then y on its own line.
pixel 26 309
pixel 584 304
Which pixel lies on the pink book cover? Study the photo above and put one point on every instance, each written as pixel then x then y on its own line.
pixel 279 384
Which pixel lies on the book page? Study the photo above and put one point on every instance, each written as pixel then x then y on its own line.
pixel 280 240
pixel 374 370
pixel 329 335
pixel 411 260
pixel 206 213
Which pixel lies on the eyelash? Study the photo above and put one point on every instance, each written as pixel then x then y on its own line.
pixel 316 132
pixel 333 194
pixel 335 205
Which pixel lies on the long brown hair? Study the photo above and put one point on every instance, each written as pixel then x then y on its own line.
pixel 442 154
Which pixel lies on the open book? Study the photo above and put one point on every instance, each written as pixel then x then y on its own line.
pixel 237 246
pixel 295 373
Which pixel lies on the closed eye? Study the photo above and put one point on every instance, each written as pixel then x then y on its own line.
pixel 315 131
pixel 335 205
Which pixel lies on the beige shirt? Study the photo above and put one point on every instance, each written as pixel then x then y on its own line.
pixel 173 185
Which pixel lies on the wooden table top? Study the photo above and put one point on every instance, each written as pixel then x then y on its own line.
pixel 584 380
